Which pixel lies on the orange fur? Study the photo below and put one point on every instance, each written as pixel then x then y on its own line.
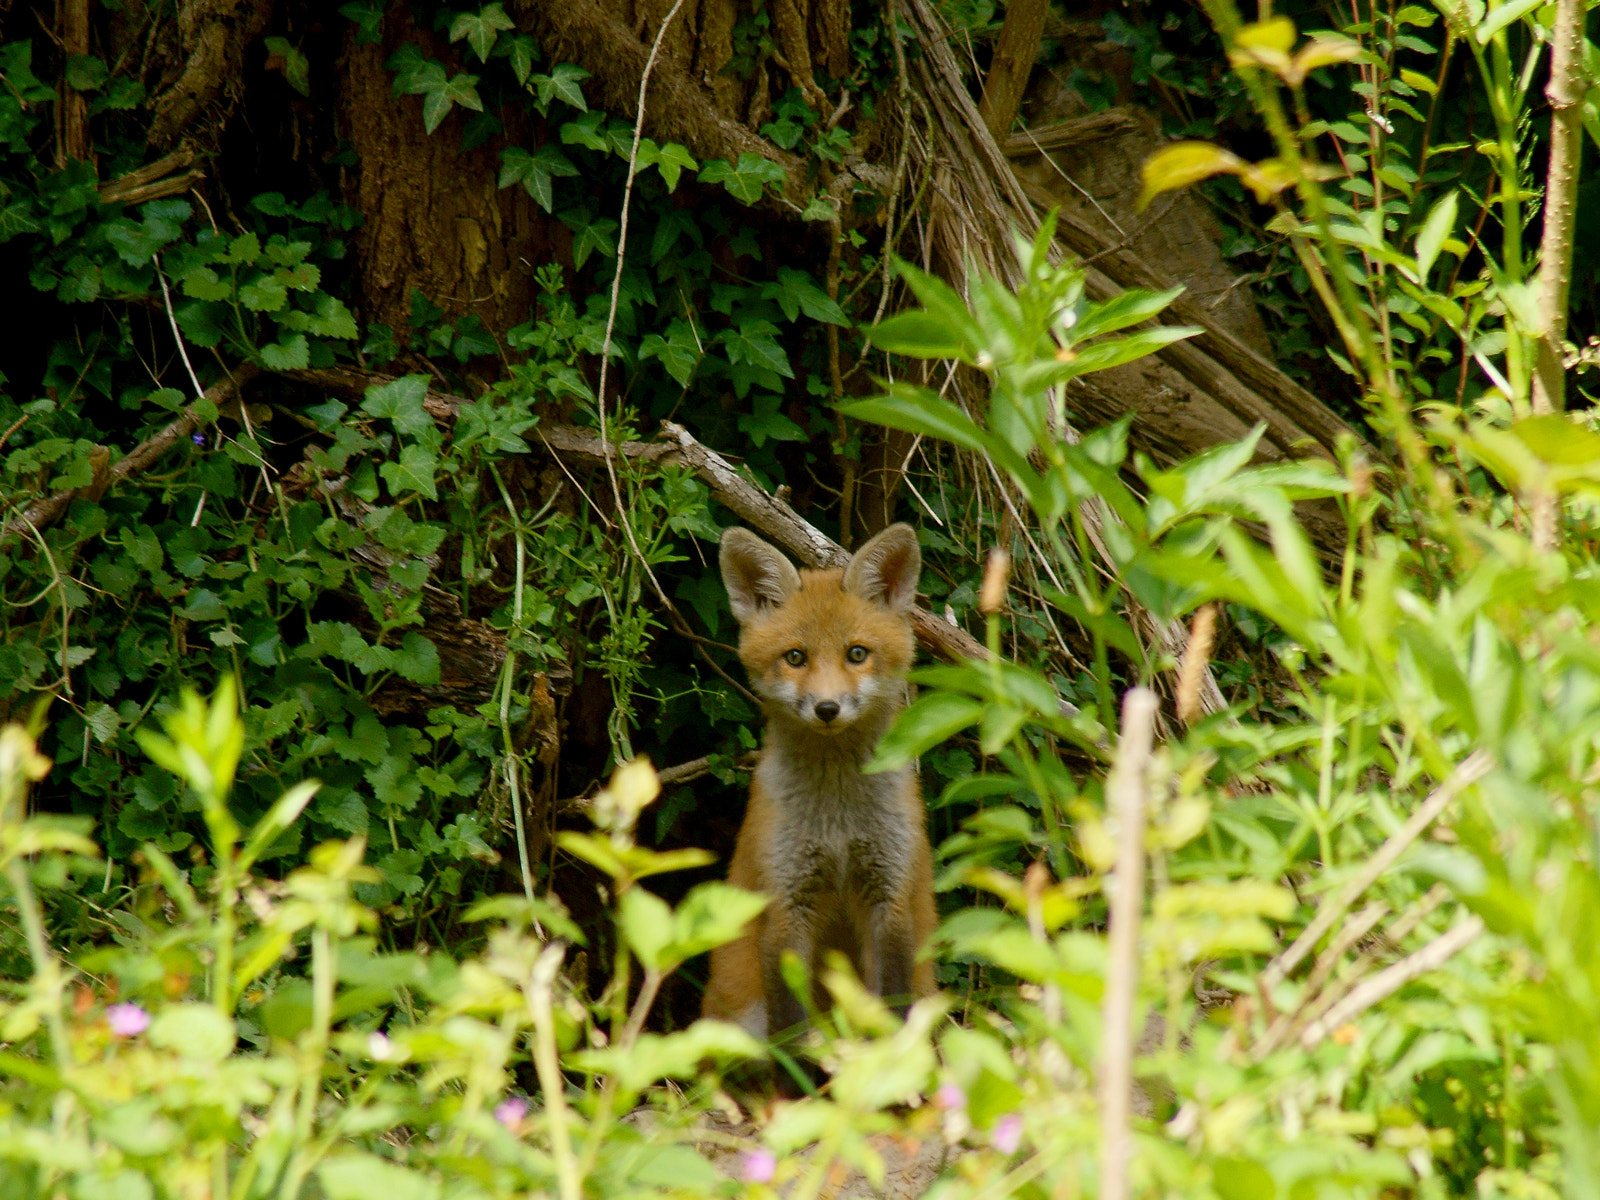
pixel 843 856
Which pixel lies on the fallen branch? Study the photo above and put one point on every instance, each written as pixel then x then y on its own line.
pixel 153 180
pixel 765 513
pixel 49 509
pixel 1473 768
pixel 1388 981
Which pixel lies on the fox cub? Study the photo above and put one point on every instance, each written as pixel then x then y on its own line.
pixel 842 856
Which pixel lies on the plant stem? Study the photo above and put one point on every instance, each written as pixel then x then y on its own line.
pixel 547 1063
pixel 1122 971
pixel 1565 92
pixel 46 968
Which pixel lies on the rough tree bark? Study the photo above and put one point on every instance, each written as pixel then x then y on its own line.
pixel 433 219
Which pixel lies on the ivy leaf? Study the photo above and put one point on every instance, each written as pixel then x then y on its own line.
pixel 415 75
pixel 523 52
pixel 765 421
pixel 754 343
pixel 745 181
pixel 589 236
pixel 672 160
pixel 585 131
pixel 413 473
pixel 679 351
pixel 534 171
pixel 283 55
pixel 462 90
pixel 368 18
pixel 400 400
pixel 562 83
pixel 796 292
pixel 481 28
pixel 293 354
pixel 162 221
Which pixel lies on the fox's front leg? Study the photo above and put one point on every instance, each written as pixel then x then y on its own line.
pixel 789 926
pixel 890 953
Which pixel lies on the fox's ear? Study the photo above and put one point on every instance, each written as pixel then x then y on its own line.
pixel 756 576
pixel 887 568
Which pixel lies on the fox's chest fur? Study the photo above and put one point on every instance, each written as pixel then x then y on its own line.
pixel 841 855
pixel 836 831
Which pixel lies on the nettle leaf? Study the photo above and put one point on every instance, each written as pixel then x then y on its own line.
pixel 264 293
pixel 481 28
pixel 245 248
pixel 400 400
pixel 331 319
pixel 203 283
pixel 534 171
pixel 289 354
pixel 413 473
pixel 562 83
pixel 796 292
pixel 745 181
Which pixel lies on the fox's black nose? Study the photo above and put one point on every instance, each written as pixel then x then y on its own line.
pixel 827 710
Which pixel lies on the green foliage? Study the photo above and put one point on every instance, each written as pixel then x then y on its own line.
pixel 300 1041
pixel 161 1094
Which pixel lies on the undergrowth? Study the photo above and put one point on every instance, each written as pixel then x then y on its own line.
pixel 259 946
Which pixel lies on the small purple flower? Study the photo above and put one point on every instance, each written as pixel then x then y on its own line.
pixel 758 1166
pixel 127 1020
pixel 950 1096
pixel 1007 1135
pixel 199 439
pixel 510 1111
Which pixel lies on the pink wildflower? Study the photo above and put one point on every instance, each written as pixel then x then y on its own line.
pixel 127 1020
pixel 758 1166
pixel 950 1095
pixel 1007 1134
pixel 510 1111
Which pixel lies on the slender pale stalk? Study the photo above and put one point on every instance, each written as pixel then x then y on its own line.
pixel 1127 795
pixel 546 1061
pixel 1565 92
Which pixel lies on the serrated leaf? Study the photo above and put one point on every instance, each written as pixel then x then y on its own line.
pixel 289 354
pixel 264 293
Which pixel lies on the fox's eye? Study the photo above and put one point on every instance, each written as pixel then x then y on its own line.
pixel 856 654
pixel 795 658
